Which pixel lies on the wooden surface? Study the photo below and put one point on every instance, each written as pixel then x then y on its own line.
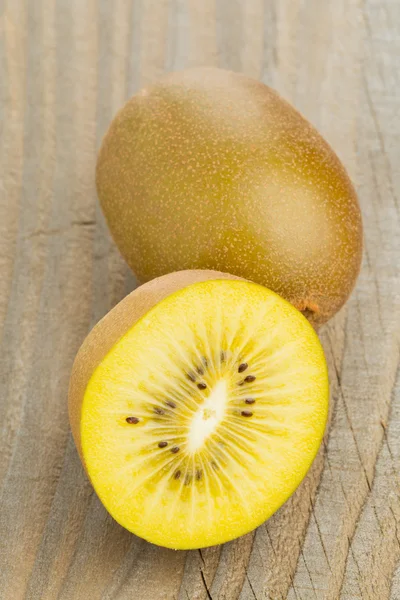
pixel 66 66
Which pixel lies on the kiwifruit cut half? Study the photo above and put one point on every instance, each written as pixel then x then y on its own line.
pixel 198 405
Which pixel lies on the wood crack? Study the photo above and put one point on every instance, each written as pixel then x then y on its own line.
pixel 251 587
pixel 309 575
pixel 320 535
pixel 340 390
pixel 381 142
pixel 205 585
pixel 59 230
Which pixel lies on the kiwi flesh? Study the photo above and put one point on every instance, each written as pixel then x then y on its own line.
pixel 209 169
pixel 197 406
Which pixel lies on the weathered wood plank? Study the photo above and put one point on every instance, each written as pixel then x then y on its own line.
pixel 65 69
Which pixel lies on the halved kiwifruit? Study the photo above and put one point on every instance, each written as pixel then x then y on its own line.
pixel 198 409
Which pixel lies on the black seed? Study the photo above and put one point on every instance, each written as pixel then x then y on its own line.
pixel 205 361
pixel 170 404
pixel 188 478
pixel 214 465
pixel 191 376
pixel 132 420
pixel 200 371
pixel 177 474
pixel 159 411
pixel 246 413
pixel 175 449
pixel 242 367
pixel 223 357
pixel 249 400
pixel 199 474
pixel 162 444
pixel 250 378
pixel 201 386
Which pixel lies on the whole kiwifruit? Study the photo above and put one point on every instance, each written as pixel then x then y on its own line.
pixel 209 169
pixel 197 406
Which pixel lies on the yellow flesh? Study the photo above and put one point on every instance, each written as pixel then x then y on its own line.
pixel 232 471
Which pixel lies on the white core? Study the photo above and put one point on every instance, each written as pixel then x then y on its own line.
pixel 209 414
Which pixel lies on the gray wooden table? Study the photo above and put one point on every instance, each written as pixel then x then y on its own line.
pixel 66 66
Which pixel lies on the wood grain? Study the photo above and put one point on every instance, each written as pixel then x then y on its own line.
pixel 66 66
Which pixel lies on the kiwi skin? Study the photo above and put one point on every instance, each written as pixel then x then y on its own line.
pixel 113 326
pixel 209 169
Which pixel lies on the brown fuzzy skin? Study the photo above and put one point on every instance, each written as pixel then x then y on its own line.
pixel 210 169
pixel 114 325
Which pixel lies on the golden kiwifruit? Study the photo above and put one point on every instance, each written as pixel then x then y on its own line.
pixel 197 406
pixel 208 169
